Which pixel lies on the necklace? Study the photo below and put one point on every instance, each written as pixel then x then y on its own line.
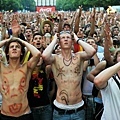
pixel 67 61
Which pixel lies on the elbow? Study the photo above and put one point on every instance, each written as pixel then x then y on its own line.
pixel 44 56
pixel 93 52
pixel 89 78
pixel 38 55
pixel 97 82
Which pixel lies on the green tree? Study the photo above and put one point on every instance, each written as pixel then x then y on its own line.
pixel 28 5
pixel 16 5
pixel 73 4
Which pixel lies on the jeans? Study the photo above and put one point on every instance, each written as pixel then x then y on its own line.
pixel 42 113
pixel 98 111
pixel 79 115
pixel 90 108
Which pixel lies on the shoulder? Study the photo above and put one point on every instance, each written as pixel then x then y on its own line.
pixel 80 55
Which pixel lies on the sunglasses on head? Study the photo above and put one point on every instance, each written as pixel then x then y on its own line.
pixel 69 32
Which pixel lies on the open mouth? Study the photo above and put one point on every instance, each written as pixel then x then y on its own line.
pixel 38 44
pixel 28 35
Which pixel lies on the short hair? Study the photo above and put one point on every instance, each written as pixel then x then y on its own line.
pixel 69 32
pixel 37 34
pixel 28 28
pixel 89 37
pixel 7 48
pixel 117 51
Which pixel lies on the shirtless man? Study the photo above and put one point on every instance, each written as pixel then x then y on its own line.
pixel 14 79
pixel 67 69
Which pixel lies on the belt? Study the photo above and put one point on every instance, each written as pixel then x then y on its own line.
pixel 63 111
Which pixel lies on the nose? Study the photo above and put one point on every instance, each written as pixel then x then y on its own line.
pixel 14 47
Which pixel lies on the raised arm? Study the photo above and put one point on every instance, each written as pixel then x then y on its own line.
pixel 47 53
pixel 61 21
pixel 100 66
pixel 3 42
pixel 88 52
pixel 102 78
pixel 35 54
pixel 92 30
pixel 77 20
pixel 108 44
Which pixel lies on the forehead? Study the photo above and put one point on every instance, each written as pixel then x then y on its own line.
pixel 65 34
pixel 28 30
pixel 37 36
pixel 46 24
pixel 90 40
pixel 14 43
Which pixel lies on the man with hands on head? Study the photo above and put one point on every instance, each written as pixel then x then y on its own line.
pixel 14 79
pixel 67 69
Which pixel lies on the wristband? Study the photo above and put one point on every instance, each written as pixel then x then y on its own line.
pixel 78 40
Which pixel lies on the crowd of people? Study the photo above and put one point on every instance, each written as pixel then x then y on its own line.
pixel 60 65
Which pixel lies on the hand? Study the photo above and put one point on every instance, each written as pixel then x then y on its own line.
pixel 15 27
pixel 80 10
pixel 107 31
pixel 57 37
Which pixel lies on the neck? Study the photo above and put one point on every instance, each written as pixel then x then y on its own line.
pixel 67 54
pixel 14 64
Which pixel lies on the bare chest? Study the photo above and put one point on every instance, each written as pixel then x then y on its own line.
pixel 67 69
pixel 13 77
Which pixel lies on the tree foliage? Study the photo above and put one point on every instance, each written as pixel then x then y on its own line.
pixel 73 4
pixel 16 5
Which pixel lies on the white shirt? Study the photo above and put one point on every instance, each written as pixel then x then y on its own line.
pixel 111 101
